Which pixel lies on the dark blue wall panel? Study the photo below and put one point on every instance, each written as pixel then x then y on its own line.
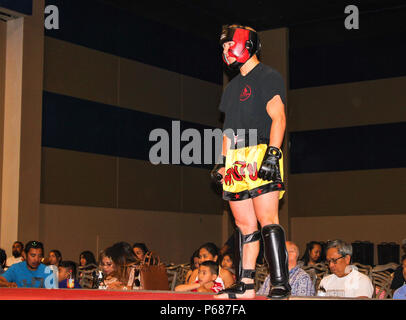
pixel 100 26
pixel 86 126
pixel 21 6
pixel 353 148
pixel 352 61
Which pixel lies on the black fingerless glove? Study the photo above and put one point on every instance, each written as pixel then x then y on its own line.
pixel 270 165
pixel 215 175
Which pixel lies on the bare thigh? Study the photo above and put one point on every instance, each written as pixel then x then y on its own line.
pixel 266 208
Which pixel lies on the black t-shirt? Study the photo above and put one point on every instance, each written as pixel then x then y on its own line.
pixel 245 98
pixel 398 279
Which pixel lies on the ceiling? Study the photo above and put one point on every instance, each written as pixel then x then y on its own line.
pixel 206 17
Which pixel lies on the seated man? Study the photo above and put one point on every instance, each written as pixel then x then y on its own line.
pixel 30 273
pixel 17 251
pixel 345 281
pixel 299 280
pixel 400 294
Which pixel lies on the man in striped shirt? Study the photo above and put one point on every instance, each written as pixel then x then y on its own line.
pixel 299 280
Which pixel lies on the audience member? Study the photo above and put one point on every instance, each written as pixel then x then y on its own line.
pixel 54 258
pixel 194 264
pixel 140 250
pixel 403 246
pixel 87 266
pixel 227 262
pixel 87 258
pixel 30 273
pixel 345 281
pixel 209 251
pixel 399 276
pixel 17 249
pixel 109 269
pixel 312 254
pixel 67 277
pixel 206 279
pixel 299 280
pixel 400 294
pixel 126 266
pixel 3 259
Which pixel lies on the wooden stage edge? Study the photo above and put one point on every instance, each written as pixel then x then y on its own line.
pixel 85 294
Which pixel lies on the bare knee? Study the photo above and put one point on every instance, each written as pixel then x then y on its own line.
pixel 270 219
pixel 246 227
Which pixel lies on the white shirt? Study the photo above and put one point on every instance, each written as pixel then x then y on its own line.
pixel 354 284
pixel 11 260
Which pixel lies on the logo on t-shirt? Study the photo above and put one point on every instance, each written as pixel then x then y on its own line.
pixel 245 93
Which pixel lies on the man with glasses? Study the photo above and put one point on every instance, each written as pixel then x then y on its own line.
pixel 345 280
pixel 30 273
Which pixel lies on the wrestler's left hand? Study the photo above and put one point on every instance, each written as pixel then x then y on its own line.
pixel 269 169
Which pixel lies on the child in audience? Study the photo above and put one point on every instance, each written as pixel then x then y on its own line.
pixel 67 275
pixel 209 251
pixel 208 273
pixel 227 262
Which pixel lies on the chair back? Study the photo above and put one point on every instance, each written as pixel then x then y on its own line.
pixel 261 273
pixel 382 281
pixel 85 275
pixel 177 274
pixel 316 272
pixel 363 269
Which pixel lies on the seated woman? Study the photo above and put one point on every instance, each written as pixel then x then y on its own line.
pixel 54 258
pixel 126 265
pixel 227 262
pixel 87 266
pixel 109 269
pixel 140 250
pixel 312 255
pixel 194 264
pixel 209 251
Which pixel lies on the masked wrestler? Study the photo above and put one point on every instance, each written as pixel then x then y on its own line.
pixel 251 171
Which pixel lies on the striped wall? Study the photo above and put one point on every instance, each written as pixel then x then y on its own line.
pixel 102 97
pixel 346 120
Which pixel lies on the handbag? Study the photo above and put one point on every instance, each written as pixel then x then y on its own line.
pixel 153 275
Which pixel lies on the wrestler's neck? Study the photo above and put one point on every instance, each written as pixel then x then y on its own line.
pixel 249 65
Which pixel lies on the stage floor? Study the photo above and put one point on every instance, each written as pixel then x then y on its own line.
pixel 85 294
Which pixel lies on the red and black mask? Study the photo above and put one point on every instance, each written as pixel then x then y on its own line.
pixel 246 44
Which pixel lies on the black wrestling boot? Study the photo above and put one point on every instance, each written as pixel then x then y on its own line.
pixel 276 256
pixel 240 287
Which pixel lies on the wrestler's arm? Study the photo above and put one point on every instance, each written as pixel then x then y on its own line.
pixel 276 110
